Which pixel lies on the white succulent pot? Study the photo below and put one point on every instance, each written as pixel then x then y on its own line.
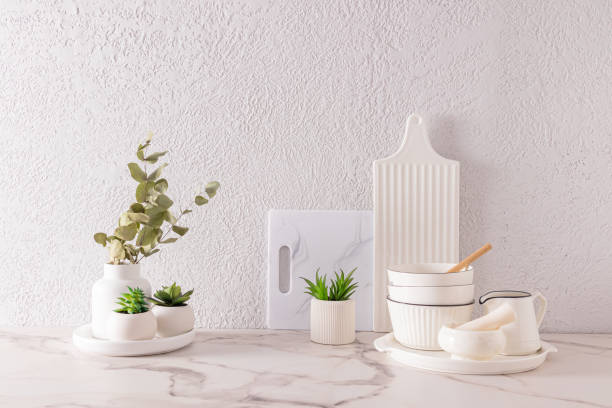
pixel 332 322
pixel 124 326
pixel 173 320
pixel 105 292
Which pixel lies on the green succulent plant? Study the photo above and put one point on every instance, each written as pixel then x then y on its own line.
pixel 341 288
pixel 141 226
pixel 132 302
pixel 170 296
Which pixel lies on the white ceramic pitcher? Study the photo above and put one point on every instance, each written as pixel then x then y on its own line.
pixel 522 336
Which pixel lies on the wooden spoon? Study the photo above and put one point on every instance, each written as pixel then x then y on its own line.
pixel 470 258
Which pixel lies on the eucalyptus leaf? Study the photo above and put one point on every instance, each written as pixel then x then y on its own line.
pixel 148 254
pixel 137 208
pixel 155 175
pixel 169 217
pixel 127 232
pixel 199 200
pixel 161 185
pixel 138 217
pixel 156 216
pixel 185 212
pixel 149 137
pixel 100 238
pixel 141 192
pixel 180 230
pixel 125 220
pixel 146 235
pixel 164 201
pixel 140 154
pixel 152 158
pixel 211 188
pixel 136 172
pixel 168 241
pixel 116 250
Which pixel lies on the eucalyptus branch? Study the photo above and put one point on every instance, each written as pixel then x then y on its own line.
pixel 143 222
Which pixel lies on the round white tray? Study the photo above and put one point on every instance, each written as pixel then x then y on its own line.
pixel 441 361
pixel 84 340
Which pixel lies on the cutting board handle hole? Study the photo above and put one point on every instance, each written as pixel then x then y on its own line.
pixel 284 269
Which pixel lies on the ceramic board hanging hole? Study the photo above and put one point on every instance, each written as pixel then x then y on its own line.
pixel 284 269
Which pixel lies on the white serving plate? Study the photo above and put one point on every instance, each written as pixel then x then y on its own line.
pixel 441 361
pixel 428 274
pixel 84 340
pixel 432 295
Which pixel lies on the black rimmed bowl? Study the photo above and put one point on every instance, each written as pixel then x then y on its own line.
pixel 428 274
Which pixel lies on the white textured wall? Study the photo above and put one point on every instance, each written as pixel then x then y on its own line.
pixel 287 103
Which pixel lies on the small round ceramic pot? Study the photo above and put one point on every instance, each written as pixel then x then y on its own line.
pixel 173 320
pixel 105 292
pixel 124 326
pixel 332 322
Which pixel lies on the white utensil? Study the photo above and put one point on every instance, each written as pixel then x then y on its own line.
pixel 299 242
pixel 442 362
pixel 522 336
pixel 493 320
pixel 473 345
pixel 428 274
pixel 416 210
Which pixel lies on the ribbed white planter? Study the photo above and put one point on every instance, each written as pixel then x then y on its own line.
pixel 172 321
pixel 105 292
pixel 332 322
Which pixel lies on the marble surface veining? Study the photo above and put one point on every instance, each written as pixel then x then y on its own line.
pixel 264 368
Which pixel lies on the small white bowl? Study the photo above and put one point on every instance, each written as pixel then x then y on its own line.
pixel 417 326
pixel 429 274
pixel 432 295
pixel 471 344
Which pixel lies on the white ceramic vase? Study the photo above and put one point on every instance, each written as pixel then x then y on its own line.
pixel 172 321
pixel 124 326
pixel 332 322
pixel 105 292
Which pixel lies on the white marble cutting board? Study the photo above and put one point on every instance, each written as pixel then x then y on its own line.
pixel 318 239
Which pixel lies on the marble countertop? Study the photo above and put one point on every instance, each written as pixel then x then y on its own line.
pixel 266 368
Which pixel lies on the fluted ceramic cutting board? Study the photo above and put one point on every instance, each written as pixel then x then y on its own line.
pixel 416 210
pixel 299 242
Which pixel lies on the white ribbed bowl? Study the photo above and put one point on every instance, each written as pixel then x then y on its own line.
pixel 432 295
pixel 332 322
pixel 428 274
pixel 417 326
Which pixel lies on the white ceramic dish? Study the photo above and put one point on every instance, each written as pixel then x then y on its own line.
pixel 441 361
pixel 84 340
pixel 428 274
pixel 471 344
pixel 432 295
pixel 417 326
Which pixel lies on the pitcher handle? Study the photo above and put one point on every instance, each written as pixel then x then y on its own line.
pixel 542 308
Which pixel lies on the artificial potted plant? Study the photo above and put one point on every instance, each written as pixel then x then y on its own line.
pixel 146 225
pixel 174 315
pixel 133 320
pixel 332 311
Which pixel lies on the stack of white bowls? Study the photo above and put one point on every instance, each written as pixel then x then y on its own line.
pixel 423 298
